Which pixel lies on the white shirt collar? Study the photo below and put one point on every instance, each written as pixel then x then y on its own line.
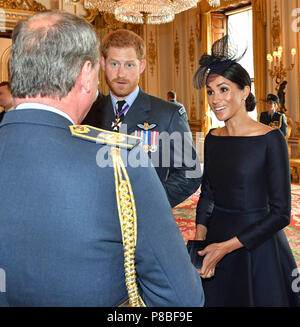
pixel 34 105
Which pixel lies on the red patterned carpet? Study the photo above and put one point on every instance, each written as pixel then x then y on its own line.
pixel 184 215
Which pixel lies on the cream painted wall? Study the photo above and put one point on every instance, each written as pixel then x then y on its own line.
pixel 177 55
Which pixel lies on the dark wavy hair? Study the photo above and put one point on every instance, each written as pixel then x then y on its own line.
pixel 223 62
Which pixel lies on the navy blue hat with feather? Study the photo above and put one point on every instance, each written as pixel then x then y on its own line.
pixel 223 54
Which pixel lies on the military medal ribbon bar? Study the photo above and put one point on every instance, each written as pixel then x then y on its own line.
pixel 149 139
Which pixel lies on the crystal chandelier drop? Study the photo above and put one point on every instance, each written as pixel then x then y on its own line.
pixel 143 11
pixel 148 12
pixel 214 3
pixel 101 5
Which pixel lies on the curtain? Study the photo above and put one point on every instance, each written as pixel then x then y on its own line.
pixel 259 51
pixel 205 36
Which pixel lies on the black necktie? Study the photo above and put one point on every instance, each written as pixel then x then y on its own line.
pixel 120 105
pixel 119 116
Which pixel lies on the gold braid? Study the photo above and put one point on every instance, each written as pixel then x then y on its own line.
pixel 128 222
pixel 280 121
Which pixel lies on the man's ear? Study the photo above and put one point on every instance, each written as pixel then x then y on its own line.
pixel 102 63
pixel 142 65
pixel 85 76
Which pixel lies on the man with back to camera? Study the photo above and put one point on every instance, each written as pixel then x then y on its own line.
pixel 162 125
pixel 60 236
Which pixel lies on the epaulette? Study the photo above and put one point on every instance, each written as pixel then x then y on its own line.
pixel 102 136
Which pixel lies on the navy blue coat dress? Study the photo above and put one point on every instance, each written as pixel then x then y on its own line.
pixel 246 182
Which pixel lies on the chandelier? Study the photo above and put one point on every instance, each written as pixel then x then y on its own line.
pixel 214 3
pixel 143 11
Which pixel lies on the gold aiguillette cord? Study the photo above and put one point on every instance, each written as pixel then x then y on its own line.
pixel 128 223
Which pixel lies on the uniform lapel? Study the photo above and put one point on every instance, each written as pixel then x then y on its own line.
pixel 275 116
pixel 107 115
pixel 268 118
pixel 138 113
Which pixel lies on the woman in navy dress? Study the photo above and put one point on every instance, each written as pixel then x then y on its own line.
pixel 245 199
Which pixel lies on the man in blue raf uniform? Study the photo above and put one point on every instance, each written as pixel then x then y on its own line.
pixel 271 116
pixel 162 125
pixel 60 236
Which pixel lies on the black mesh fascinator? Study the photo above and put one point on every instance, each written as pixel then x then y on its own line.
pixel 223 54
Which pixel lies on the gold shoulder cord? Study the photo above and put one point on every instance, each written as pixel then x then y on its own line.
pixel 128 223
pixel 280 121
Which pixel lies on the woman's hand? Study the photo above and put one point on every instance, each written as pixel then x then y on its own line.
pixel 200 234
pixel 214 253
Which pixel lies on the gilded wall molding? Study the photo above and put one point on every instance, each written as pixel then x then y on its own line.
pixel 151 53
pixel 91 14
pixel 27 5
pixel 191 49
pixel 13 11
pixel 107 22
pixel 177 53
pixel 4 64
pixel 276 28
pixel 193 113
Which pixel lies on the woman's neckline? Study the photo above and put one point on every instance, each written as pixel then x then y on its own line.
pixel 240 136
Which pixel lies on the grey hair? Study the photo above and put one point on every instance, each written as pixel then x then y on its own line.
pixel 46 60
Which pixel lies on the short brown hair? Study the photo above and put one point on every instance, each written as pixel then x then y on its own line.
pixel 123 39
pixel 171 95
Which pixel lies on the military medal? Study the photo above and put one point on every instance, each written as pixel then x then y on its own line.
pixel 117 123
pixel 154 141
pixel 149 138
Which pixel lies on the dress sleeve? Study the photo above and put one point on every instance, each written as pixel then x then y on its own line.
pixel 206 202
pixel 279 193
